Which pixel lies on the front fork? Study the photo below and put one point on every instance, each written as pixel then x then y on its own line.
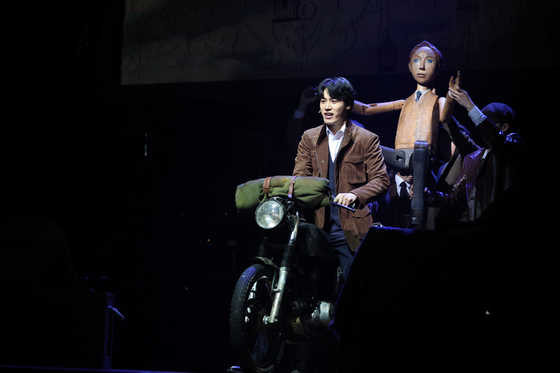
pixel 285 267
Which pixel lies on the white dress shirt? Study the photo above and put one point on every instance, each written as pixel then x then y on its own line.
pixel 335 140
pixel 476 116
pixel 398 181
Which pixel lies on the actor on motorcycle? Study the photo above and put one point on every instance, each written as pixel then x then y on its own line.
pixel 350 157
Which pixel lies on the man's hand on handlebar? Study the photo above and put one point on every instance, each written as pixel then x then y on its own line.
pixel 345 199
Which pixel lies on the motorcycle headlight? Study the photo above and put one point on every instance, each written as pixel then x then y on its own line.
pixel 269 214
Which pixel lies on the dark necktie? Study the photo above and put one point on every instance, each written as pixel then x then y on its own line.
pixel 404 192
pixel 418 95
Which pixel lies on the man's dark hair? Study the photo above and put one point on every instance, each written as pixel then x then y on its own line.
pixel 339 88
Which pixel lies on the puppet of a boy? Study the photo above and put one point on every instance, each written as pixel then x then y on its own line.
pixel 421 113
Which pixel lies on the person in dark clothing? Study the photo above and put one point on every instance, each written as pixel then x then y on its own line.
pixel 466 295
pixel 493 169
pixel 398 199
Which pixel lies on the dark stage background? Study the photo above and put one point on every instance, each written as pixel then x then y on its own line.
pixel 141 178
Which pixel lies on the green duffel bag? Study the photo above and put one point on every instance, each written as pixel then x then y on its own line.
pixel 311 192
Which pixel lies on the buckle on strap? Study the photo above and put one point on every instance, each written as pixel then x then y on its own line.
pixel 291 187
pixel 266 186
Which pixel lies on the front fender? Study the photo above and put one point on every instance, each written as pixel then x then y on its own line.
pixel 264 261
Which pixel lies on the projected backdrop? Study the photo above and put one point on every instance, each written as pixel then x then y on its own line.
pixel 171 41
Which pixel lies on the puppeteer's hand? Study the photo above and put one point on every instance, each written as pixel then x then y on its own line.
pixel 308 96
pixel 345 199
pixel 426 191
pixel 462 98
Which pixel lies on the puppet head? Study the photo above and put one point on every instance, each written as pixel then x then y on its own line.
pixel 425 63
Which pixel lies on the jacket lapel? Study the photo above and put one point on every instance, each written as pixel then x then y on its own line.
pixel 345 141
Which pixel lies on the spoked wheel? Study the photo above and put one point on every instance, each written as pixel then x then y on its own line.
pixel 256 346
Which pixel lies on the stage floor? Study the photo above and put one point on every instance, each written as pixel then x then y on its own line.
pixel 29 369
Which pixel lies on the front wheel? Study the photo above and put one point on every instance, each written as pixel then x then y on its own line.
pixel 256 346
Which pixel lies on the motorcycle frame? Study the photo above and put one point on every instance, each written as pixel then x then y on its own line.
pixel 284 273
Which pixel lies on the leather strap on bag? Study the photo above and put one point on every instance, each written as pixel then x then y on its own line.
pixel 291 188
pixel 266 186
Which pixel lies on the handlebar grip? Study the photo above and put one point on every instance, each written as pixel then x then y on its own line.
pixel 344 207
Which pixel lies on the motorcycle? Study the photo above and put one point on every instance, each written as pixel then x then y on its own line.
pixel 288 293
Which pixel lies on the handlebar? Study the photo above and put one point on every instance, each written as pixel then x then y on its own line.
pixel 344 207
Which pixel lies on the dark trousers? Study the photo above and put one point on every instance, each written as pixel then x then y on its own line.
pixel 307 353
pixel 336 235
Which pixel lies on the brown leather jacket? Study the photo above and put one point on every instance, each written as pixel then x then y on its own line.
pixel 360 169
pixel 483 179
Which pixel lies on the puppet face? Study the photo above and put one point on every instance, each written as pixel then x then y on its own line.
pixel 334 111
pixel 423 66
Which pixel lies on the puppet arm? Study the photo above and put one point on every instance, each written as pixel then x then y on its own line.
pixel 373 109
pixel 447 104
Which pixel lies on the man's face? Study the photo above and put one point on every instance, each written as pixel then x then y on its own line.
pixel 406 177
pixel 504 127
pixel 334 111
pixel 423 66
